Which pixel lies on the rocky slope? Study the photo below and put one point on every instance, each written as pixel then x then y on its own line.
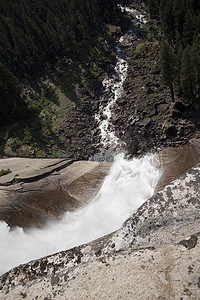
pixel 145 116
pixel 154 255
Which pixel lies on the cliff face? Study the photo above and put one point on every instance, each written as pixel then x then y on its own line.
pixel 154 255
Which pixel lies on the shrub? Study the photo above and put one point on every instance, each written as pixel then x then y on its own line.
pixel 4 172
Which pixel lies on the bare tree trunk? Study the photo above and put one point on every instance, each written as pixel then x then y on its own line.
pixel 172 92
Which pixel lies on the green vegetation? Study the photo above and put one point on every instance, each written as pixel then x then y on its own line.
pixel 51 59
pixel 35 35
pixel 168 63
pixel 180 48
pixel 4 172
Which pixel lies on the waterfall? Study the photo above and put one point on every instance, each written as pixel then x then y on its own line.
pixel 128 185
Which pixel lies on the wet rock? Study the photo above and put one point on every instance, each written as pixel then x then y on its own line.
pixel 132 146
pixel 103 117
pixel 114 119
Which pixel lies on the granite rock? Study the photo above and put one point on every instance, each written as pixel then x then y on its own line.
pixel 39 190
pixel 154 255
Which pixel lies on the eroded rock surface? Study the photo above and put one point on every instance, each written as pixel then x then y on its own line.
pixel 154 255
pixel 38 190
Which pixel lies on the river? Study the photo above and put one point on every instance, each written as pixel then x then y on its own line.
pixel 128 185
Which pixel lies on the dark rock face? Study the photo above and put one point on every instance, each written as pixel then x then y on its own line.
pixel 170 130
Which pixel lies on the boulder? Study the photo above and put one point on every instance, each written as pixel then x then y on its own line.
pixel 169 129
pixel 162 108
pixel 132 146
pixel 179 105
pixel 145 122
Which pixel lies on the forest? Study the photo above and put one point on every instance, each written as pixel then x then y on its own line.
pixel 35 34
pixel 179 21
pixel 53 54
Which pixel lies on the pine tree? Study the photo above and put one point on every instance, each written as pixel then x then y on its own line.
pixel 187 76
pixel 195 57
pixel 168 66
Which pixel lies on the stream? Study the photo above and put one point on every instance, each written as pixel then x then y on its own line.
pixel 113 89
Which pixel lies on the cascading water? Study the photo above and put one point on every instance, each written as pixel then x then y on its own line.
pixel 113 90
pixel 113 86
pixel 127 186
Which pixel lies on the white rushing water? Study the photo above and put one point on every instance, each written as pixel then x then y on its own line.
pixel 113 90
pixel 113 85
pixel 127 186
pixel 134 13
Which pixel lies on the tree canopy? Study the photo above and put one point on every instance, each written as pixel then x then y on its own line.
pixel 180 24
pixel 34 33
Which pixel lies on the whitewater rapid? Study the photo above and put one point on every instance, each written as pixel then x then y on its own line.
pixel 113 90
pixel 127 186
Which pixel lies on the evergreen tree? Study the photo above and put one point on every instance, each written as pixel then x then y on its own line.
pixel 195 52
pixel 37 34
pixel 187 75
pixel 180 55
pixel 168 66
